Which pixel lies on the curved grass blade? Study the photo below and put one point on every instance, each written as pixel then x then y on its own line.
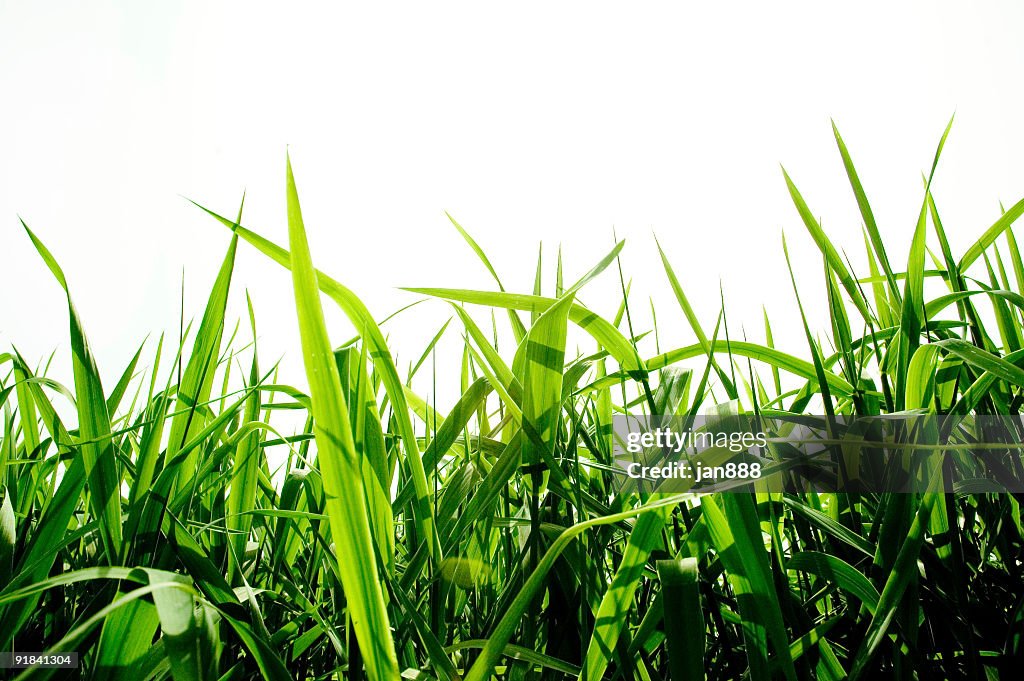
pixel 502 633
pixel 835 263
pixel 602 331
pixel 367 328
pixel 518 330
pixel 97 449
pixel 838 571
pixel 768 355
pixel 870 226
pixel 340 463
pixel 990 235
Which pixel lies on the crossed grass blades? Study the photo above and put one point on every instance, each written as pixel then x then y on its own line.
pixel 155 537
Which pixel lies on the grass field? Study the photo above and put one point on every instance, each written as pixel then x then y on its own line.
pixel 182 527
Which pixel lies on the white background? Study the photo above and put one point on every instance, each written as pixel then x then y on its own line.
pixel 528 122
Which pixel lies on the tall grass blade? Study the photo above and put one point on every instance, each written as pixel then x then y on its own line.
pixel 365 325
pixel 97 448
pixel 339 462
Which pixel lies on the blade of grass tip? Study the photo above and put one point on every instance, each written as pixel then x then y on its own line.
pixel 559 287
pixel 339 462
pixel 429 349
pixel 819 369
pixel 691 317
pixel 912 316
pixel 867 215
pixel 769 340
pixel 539 365
pixel 826 247
pixel 196 384
pixel 954 277
pixel 97 450
pixel 684 619
pixel 518 330
pixel 537 281
pixel 990 235
pixel 912 319
pixel 654 326
pixel 732 394
pixel 610 338
pixel 383 363
pixel 114 400
pixel 642 378
pixel 882 300
pixel 938 149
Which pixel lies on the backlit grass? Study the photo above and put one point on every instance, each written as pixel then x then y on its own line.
pixel 155 534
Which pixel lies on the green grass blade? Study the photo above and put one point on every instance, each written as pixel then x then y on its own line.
pixel 912 319
pixel 114 400
pixel 339 462
pixel 483 668
pixel 97 450
pixel 870 226
pixel 986 361
pixel 990 235
pixel 367 328
pixel 644 538
pixel 835 263
pixel 245 472
pixel 197 380
pixel 518 330
pixel 691 317
pixel 836 570
pixel 903 571
pixel 601 330
pixel 684 619
pixel 776 358
pixel 736 534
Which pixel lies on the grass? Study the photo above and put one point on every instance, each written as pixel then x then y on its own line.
pixel 157 535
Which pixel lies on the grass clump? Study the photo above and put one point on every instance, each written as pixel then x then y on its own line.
pixel 157 536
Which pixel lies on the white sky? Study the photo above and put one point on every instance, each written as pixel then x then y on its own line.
pixel 553 121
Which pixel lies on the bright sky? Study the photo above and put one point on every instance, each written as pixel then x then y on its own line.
pixel 543 121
